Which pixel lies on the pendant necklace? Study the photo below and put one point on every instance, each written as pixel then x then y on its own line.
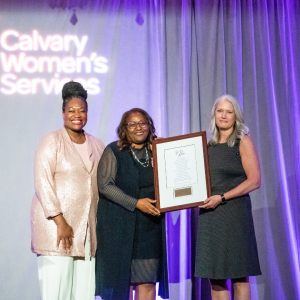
pixel 145 164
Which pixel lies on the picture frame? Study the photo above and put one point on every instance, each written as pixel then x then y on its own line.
pixel 181 171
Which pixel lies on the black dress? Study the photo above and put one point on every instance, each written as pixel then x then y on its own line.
pixel 131 245
pixel 147 243
pixel 226 243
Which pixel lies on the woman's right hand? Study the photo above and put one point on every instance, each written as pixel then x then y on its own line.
pixel 145 206
pixel 65 233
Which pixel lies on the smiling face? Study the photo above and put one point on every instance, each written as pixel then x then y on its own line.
pixel 137 135
pixel 75 114
pixel 225 115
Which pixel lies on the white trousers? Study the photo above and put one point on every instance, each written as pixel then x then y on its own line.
pixel 67 278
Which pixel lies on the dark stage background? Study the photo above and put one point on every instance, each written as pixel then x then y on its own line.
pixel 173 59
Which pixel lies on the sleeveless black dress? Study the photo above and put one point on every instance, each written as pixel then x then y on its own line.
pixel 226 243
pixel 147 243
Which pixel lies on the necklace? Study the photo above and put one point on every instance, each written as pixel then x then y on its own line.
pixel 145 164
pixel 72 138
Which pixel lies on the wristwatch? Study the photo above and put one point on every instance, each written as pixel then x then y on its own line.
pixel 223 199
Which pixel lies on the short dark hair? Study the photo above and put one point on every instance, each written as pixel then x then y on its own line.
pixel 123 142
pixel 72 90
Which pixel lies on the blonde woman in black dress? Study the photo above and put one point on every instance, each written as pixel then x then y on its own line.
pixel 226 244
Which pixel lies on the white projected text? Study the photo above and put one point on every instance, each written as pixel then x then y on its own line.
pixel 27 67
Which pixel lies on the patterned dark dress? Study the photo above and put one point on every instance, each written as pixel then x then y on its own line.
pixel 226 243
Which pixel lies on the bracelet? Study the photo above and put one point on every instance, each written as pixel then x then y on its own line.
pixel 223 199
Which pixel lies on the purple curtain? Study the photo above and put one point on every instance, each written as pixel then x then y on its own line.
pixel 172 58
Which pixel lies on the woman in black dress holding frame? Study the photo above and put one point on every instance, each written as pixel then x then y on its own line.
pixel 226 244
pixel 130 230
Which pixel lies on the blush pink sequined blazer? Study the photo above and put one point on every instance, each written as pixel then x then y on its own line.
pixel 64 185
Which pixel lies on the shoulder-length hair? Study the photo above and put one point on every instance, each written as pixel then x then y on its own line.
pixel 239 128
pixel 123 142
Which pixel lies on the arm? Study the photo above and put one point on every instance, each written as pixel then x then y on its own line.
pixel 106 175
pixel 251 166
pixel 44 170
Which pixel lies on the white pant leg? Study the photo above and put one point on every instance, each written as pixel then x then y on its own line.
pixel 55 277
pixel 84 275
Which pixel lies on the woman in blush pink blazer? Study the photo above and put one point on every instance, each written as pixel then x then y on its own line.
pixel 63 212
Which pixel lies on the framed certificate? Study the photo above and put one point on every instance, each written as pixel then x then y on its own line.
pixel 181 172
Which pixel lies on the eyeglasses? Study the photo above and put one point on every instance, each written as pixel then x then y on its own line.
pixel 133 125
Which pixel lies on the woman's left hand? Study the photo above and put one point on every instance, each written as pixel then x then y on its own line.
pixel 145 205
pixel 212 202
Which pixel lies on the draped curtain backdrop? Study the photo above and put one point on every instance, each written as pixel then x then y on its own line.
pixel 172 58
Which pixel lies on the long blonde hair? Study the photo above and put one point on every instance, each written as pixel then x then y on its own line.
pixel 239 128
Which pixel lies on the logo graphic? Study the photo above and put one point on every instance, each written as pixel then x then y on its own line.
pixel 33 63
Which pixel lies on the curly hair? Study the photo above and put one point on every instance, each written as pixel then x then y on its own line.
pixel 72 90
pixel 123 142
pixel 239 127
